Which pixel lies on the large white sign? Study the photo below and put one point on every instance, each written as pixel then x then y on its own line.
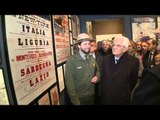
pixel 29 41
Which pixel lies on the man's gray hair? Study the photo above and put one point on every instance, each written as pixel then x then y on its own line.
pixel 125 40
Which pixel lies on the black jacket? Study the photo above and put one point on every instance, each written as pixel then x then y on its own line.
pixel 148 91
pixel 148 64
pixel 118 79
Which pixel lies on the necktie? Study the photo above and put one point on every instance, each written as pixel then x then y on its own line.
pixel 116 60
pixel 150 57
pixel 87 57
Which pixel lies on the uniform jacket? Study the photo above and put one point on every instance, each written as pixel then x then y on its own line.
pixel 78 75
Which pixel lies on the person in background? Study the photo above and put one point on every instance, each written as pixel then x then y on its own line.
pixel 93 48
pixel 99 46
pixel 148 61
pixel 94 52
pixel 139 47
pixel 147 92
pixel 157 59
pixel 144 49
pixel 106 48
pixel 99 60
pixel 158 48
pixel 119 74
pixel 132 50
pixel 81 73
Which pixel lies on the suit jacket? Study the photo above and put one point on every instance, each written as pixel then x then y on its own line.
pixel 148 90
pixel 148 64
pixel 99 60
pixel 118 79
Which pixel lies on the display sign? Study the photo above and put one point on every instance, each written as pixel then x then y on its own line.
pixel 30 51
pixel 61 38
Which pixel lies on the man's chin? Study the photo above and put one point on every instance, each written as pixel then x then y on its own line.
pixel 85 52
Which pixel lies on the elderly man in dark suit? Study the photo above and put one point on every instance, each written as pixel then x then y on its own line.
pixel 120 74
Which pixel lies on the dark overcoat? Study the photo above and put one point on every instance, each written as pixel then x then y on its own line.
pixel 118 80
pixel 148 90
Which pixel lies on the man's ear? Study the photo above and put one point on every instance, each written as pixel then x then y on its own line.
pixel 125 49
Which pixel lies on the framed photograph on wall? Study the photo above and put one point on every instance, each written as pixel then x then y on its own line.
pixel 89 29
pixel 142 26
pixel 44 100
pixel 74 26
pixel 3 92
pixel 60 79
pixel 54 96
pixel 61 38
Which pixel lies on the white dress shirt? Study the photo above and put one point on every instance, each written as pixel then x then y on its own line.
pixel 116 59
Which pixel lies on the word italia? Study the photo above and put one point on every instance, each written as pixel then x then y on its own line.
pixel 29 29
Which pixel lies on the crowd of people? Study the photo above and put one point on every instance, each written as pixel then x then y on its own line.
pixel 117 72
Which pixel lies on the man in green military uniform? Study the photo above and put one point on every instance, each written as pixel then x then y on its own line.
pixel 81 73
